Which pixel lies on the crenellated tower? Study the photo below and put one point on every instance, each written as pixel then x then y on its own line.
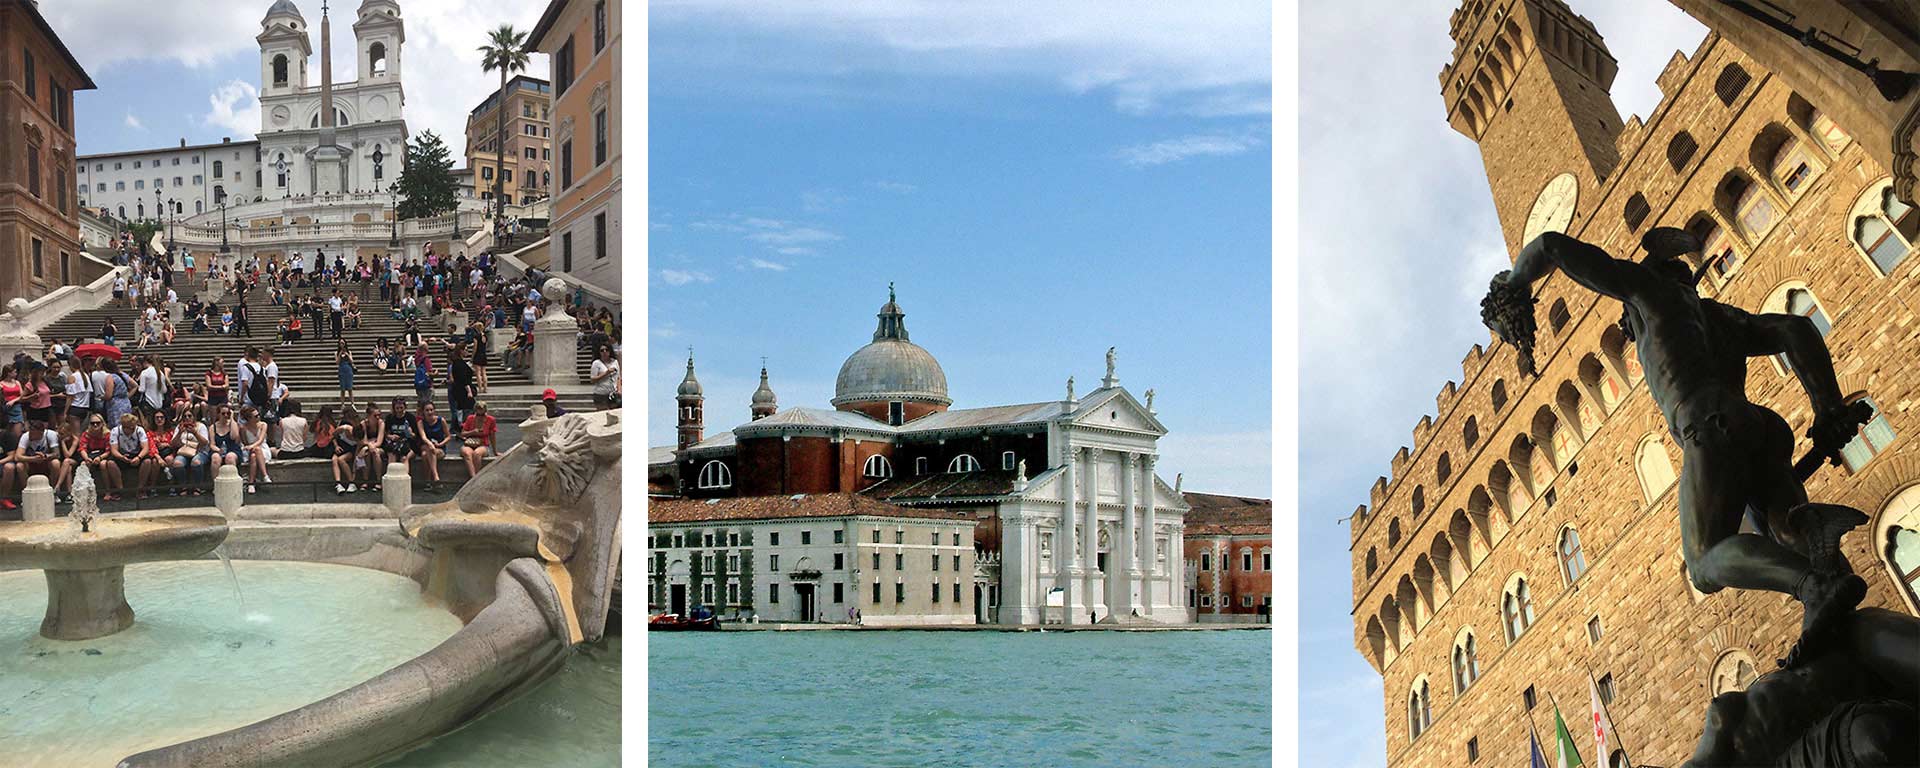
pixel 1530 82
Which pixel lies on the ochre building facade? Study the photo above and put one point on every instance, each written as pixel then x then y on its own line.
pixel 1526 541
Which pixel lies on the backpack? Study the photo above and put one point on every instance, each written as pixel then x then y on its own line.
pixel 257 385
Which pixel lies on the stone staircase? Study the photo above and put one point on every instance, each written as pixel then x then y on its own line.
pixel 307 366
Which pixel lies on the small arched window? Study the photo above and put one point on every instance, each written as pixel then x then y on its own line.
pixel 219 169
pixel 877 467
pixel 1792 164
pixel 1499 394
pixel 1573 562
pixel 1680 150
pixel 1558 316
pixel 1516 609
pixel 1655 468
pixel 280 69
pixel 1900 543
pixel 1373 561
pixel 1733 79
pixel 1443 469
pixel 1751 206
pixel 1884 228
pixel 1466 663
pixel 1393 533
pixel 1717 249
pixel 1872 439
pixel 377 58
pixel 1470 434
pixel 715 474
pixel 1636 212
pixel 1419 709
pixel 963 463
pixel 1827 131
pixel 1419 502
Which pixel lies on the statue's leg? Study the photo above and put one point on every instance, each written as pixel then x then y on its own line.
pixel 1713 497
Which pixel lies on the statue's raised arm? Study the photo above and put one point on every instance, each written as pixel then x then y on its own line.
pixel 1508 306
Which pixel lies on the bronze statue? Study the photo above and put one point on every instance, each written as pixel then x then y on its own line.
pixel 1736 454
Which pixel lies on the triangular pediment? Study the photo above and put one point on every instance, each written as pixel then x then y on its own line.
pixel 1116 408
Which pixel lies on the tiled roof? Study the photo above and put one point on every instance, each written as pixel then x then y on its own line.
pixel 999 415
pixel 1214 514
pixel 945 486
pixel 660 454
pixel 783 507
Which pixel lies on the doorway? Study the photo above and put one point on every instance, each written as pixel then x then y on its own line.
pixel 806 601
pixel 677 603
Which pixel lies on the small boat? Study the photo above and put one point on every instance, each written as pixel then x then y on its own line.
pixel 673 622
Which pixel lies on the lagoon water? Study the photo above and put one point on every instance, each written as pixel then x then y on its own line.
pixel 848 699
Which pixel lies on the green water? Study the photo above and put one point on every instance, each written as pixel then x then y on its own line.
pixel 193 664
pixel 848 699
pixel 571 721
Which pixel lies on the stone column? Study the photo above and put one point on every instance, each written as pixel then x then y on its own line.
pixel 1152 566
pixel 1016 535
pixel 1066 549
pixel 396 488
pixel 1129 547
pixel 1090 539
pixel 227 488
pixel 36 502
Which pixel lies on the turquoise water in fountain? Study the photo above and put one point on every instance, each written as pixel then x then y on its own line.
pixel 571 721
pixel 193 664
pixel 988 699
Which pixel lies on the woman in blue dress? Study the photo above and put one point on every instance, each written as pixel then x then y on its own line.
pixel 344 358
pixel 118 404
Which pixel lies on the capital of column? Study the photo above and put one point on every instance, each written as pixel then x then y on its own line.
pixel 1127 458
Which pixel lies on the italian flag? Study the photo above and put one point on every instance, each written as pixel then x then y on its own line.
pixel 1565 756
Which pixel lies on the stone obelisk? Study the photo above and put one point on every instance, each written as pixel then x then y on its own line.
pixel 329 158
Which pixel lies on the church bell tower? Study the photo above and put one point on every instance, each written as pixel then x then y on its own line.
pixel 691 402
pixel 1529 82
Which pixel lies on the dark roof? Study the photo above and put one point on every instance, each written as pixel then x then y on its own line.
pixel 1215 514
pixel 782 508
pixel 997 482
pixel 33 12
pixel 548 18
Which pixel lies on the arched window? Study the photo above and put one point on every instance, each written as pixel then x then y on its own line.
pixel 1466 662
pixel 1393 533
pixel 219 171
pixel 1790 162
pixel 1420 501
pixel 1499 394
pixel 1419 709
pixel 1470 434
pixel 1573 563
pixel 1516 609
pixel 1733 79
pixel 1558 316
pixel 280 69
pixel 1870 441
pixel 1008 460
pixel 1752 207
pixel 1797 299
pixel 1732 672
pixel 1636 212
pixel 963 463
pixel 1373 561
pixel 715 475
pixel 377 58
pixel 1884 228
pixel 1680 150
pixel 1827 131
pixel 878 467
pixel 1721 259
pixel 1655 468
pixel 1618 760
pixel 1899 543
pixel 1443 469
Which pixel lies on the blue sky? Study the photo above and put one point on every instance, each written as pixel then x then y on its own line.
pixel 1040 186
pixel 190 69
pixel 1390 290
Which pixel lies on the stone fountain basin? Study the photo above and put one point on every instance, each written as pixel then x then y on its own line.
pixel 58 545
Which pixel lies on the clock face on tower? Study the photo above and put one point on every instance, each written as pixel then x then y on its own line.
pixel 1553 210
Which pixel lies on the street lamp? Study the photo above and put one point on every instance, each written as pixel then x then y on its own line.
pixel 172 220
pixel 222 197
pixel 393 190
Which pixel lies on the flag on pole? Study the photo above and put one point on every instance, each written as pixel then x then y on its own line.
pixel 1565 755
pixel 1604 741
pixel 1534 757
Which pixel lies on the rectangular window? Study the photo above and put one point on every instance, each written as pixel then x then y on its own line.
pixel 899 561
pixel 33 170
pixel 506 176
pixel 773 562
pixel 706 593
pixel 899 535
pixel 733 539
pixel 563 68
pixel 197 180
pixel 733 593
pixel 1206 601
pixel 30 76
pixel 599 138
pixel 39 266
pixel 1006 460
pixel 532 154
pixel 1191 599
pixel 1473 749
pixel 1246 601
pixel 1606 689
pixel 1266 561
pixel 599 25
pixel 876 590
pixel 876 561
pixel 176 161
pixel 599 236
pixel 773 538
pixel 919 464
pixel 936 592
pixel 773 593
pixel 1593 630
pixel 899 592
pixel 876 535
pixel 566 251
pixel 839 592
pixel 1528 698
pixel 936 562
pixel 1246 561
pixel 839 561
pixel 956 563
pixel 806 537
pixel 566 164
pixel 956 538
pixel 706 540
pixel 733 563
pixel 839 536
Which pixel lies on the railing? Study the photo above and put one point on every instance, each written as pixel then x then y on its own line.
pixel 65 300
pixel 513 266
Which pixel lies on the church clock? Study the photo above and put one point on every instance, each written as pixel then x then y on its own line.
pixel 1553 209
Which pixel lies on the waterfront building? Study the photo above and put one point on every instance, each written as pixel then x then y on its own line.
pixel 1229 543
pixel 581 39
pixel 1073 522
pixel 1526 541
pixel 40 247
pixel 524 170
pixel 831 557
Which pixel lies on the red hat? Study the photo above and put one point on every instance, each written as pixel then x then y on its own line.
pixel 549 395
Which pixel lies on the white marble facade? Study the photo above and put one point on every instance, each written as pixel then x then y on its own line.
pixel 367 110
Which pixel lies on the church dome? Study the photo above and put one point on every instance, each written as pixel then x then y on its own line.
pixel 284 7
pixel 891 367
pixel 689 386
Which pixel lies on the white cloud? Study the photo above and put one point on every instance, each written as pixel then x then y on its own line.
pixel 678 277
pixel 442 63
pixel 822 200
pixel 234 107
pixel 134 122
pixel 778 235
pixel 767 265
pixel 1144 56
pixel 1233 463
pixel 896 187
pixel 1184 147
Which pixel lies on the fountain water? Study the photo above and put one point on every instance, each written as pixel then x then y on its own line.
pixel 238 599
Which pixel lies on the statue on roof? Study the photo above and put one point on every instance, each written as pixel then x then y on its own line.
pixel 1069 389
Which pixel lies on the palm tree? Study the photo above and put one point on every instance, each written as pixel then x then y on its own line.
pixel 506 52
